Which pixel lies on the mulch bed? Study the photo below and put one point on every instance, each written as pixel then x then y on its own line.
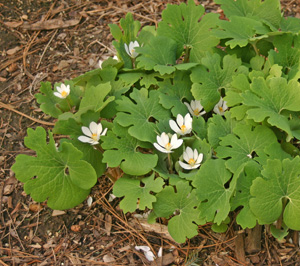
pixel 57 40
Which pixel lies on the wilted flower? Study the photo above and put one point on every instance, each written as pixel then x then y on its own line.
pixel 93 133
pixel 195 108
pixel 130 50
pixel 192 158
pixel 148 253
pixel 164 145
pixel 183 125
pixel 220 107
pixel 63 91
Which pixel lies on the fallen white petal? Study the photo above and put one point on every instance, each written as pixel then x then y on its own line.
pixel 89 201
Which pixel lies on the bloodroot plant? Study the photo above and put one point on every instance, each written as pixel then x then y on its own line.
pixel 201 114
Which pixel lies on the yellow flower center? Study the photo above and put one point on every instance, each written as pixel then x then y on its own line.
pixel 94 137
pixel 64 94
pixel 221 109
pixel 132 51
pixel 191 162
pixel 183 128
pixel 196 112
pixel 168 146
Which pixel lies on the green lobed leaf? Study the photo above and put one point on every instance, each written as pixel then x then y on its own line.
pixel 290 24
pixel 181 23
pixel 137 115
pixel 95 98
pixel 253 31
pixel 281 233
pixel 218 127
pixel 287 54
pixel 222 228
pixel 216 75
pixel 61 177
pixel 210 183
pixel 242 146
pixel 278 191
pixel 137 192
pixel 268 10
pixel 184 203
pixel 173 92
pixel 233 98
pixel 199 127
pixel 245 217
pixel 121 149
pixel 269 102
pixel 158 54
pixel 48 101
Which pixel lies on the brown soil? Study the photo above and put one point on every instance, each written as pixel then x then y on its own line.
pixel 33 234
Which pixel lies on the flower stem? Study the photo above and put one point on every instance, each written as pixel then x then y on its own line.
pixel 187 55
pixel 280 219
pixel 69 104
pixel 255 48
pixel 133 62
pixel 170 163
pixel 99 148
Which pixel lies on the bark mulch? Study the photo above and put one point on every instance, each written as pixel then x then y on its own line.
pixel 56 40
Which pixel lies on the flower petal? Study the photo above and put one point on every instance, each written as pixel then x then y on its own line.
pixel 99 129
pixel 225 107
pixel 198 105
pixel 126 49
pixel 174 126
pixel 185 165
pixel 188 120
pixel 86 131
pixel 179 120
pixel 195 166
pixel 104 132
pixel 189 152
pixel 93 127
pixel 67 89
pixel 186 156
pixel 199 159
pixel 160 141
pixel 195 156
pixel 136 44
pixel 84 139
pixel 216 109
pixel 193 104
pixel 164 138
pixel 57 94
pixel 59 88
pixel 161 149
pixel 189 108
pixel 94 142
pixel 175 142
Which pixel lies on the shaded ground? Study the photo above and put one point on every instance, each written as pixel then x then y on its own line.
pixel 31 233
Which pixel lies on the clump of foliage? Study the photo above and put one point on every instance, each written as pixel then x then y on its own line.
pixel 200 114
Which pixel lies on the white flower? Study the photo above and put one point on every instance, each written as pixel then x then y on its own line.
pixel 63 91
pixel 195 108
pixel 183 125
pixel 148 253
pixel 89 201
pixel 220 107
pixel 192 158
pixel 93 133
pixel 164 145
pixel 130 50
pixel 100 62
